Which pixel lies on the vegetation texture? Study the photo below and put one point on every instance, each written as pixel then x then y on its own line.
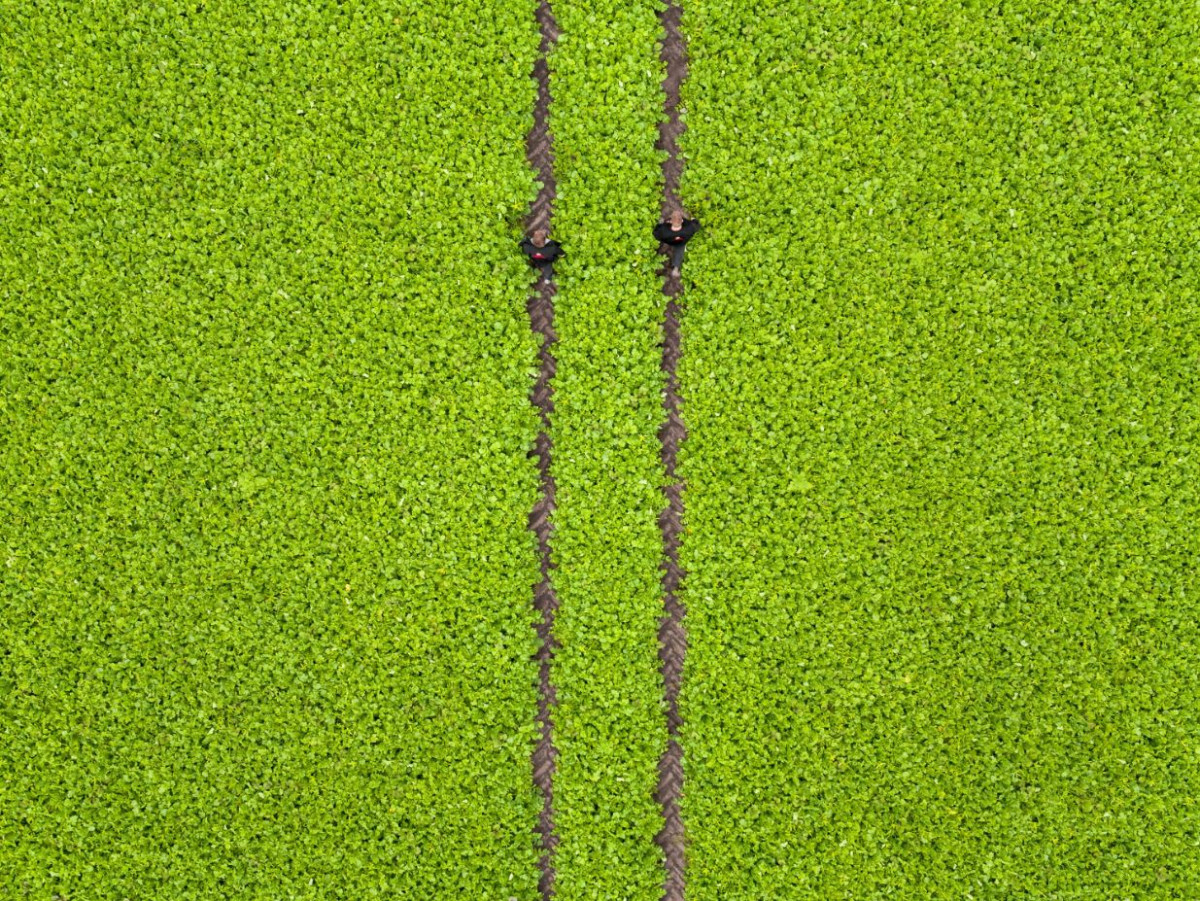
pixel 265 578
pixel 266 622
pixel 942 460
pixel 609 724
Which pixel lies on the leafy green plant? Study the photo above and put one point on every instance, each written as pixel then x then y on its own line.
pixel 265 576
pixel 939 367
pixel 265 610
pixel 609 725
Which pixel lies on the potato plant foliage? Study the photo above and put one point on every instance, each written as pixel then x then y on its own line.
pixel 608 404
pixel 265 572
pixel 940 369
pixel 265 623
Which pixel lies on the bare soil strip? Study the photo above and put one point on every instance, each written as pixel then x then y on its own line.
pixel 672 636
pixel 539 150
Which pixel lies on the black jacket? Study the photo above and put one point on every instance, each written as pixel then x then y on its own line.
pixel 539 256
pixel 665 235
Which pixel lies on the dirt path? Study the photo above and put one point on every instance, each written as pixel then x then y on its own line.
pixel 672 636
pixel 539 150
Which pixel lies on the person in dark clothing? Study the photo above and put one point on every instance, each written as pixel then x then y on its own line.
pixel 674 235
pixel 542 252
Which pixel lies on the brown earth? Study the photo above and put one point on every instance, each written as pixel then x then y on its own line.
pixel 672 635
pixel 539 150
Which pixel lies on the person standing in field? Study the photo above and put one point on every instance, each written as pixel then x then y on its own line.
pixel 674 235
pixel 542 252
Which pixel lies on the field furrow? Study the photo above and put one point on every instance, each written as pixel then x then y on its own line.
pixel 672 636
pixel 540 153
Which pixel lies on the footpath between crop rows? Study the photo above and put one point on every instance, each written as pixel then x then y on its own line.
pixel 672 634
pixel 540 152
pixel 582 782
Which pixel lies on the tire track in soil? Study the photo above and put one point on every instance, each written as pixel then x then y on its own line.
pixel 539 150
pixel 672 635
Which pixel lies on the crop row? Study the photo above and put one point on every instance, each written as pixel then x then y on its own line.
pixel 610 727
pixel 939 378
pixel 265 619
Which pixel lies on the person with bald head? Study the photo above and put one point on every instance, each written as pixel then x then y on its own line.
pixel 674 235
pixel 542 252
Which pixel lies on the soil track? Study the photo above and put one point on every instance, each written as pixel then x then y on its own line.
pixel 672 636
pixel 540 153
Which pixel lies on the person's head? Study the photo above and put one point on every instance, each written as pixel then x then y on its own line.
pixel 676 220
pixel 539 237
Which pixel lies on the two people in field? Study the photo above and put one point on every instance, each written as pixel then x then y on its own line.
pixel 673 234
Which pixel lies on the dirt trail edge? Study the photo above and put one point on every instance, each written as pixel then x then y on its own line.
pixel 539 150
pixel 671 634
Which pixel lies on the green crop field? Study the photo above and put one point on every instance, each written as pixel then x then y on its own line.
pixel 266 566
pixel 944 462
pixel 264 609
